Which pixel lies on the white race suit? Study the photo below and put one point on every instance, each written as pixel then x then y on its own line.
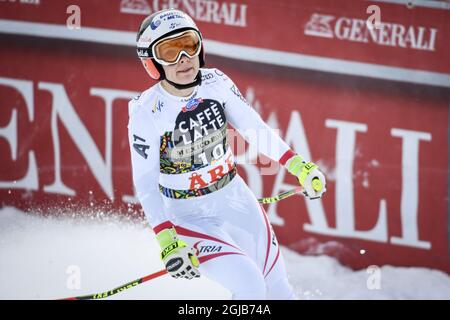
pixel 185 176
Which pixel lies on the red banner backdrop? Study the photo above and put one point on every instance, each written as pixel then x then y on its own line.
pixel 409 37
pixel 383 144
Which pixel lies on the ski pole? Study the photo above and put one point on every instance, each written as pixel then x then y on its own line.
pixel 316 184
pixel 281 196
pixel 121 288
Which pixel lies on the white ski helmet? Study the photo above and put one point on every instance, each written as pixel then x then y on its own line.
pixel 158 26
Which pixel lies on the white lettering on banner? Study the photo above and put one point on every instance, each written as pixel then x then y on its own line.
pixel 345 211
pixel 63 108
pixel 295 136
pixel 10 134
pixel 135 7
pixel 387 34
pixel 227 13
pixel 30 181
pixel 410 187
pixel 22 2
pixel 109 96
pixel 345 226
pixel 58 185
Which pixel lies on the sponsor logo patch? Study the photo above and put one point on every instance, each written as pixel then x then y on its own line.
pixel 192 104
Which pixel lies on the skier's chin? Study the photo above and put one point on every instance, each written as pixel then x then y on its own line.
pixel 187 76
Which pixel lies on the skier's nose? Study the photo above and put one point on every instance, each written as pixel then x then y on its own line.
pixel 184 58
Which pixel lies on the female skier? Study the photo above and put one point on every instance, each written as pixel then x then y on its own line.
pixel 206 219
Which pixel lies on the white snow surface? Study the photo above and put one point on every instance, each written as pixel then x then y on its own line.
pixel 38 256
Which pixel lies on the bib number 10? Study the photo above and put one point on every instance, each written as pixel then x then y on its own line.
pixel 216 153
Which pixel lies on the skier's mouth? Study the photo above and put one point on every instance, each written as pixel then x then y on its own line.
pixel 185 71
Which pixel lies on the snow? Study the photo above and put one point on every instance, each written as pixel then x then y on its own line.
pixel 39 257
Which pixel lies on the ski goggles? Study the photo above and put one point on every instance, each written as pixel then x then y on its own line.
pixel 169 50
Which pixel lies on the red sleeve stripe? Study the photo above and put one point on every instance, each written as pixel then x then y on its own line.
pixel 286 156
pixel 162 226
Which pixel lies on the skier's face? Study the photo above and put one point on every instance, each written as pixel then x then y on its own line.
pixel 184 71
